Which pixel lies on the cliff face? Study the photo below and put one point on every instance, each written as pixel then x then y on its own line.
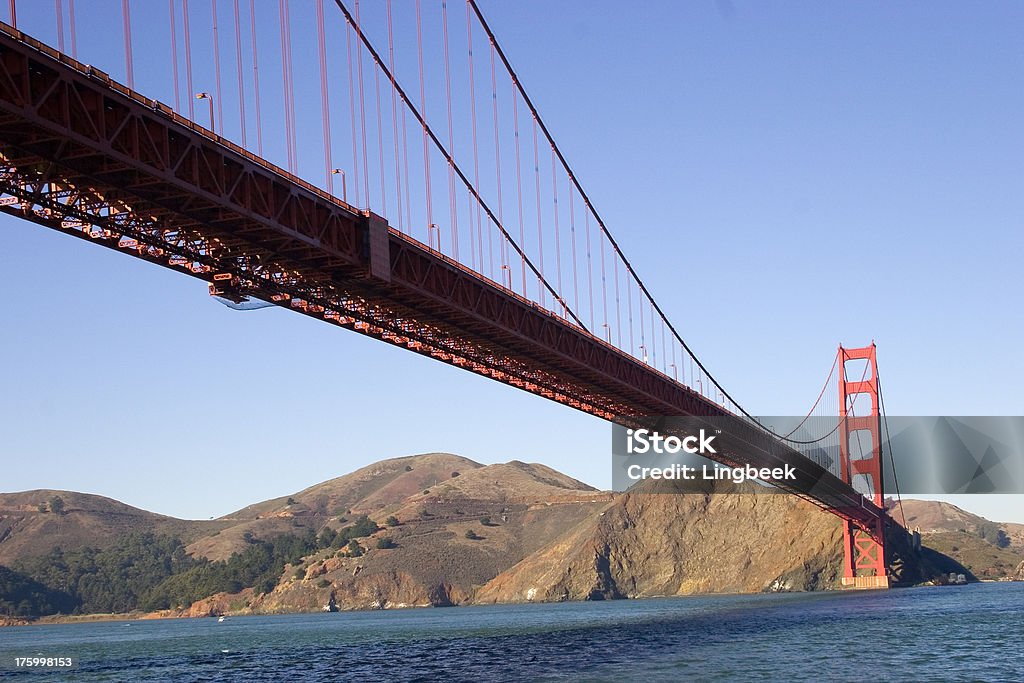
pixel 666 544
pixel 633 545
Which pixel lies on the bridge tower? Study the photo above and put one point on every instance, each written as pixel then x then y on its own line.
pixel 860 458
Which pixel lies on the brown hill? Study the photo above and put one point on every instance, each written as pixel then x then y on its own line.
pixel 86 520
pixel 959 534
pixel 445 486
pixel 371 490
pixel 934 516
pixel 468 533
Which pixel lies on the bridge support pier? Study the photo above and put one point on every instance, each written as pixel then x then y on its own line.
pixel 860 456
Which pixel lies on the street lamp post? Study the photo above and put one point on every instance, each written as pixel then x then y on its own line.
pixel 344 190
pixel 209 98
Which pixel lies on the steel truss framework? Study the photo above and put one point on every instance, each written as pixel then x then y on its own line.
pixel 82 154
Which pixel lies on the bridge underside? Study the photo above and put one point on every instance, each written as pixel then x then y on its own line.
pixel 82 154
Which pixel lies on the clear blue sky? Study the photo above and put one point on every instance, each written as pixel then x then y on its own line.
pixel 785 176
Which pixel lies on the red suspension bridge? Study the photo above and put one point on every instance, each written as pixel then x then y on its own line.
pixel 415 196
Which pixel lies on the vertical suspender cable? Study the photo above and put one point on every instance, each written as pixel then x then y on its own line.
pixel 12 6
pixel 380 145
pixel 572 249
pixel 216 70
pixel 664 355
pixel 405 173
pixel 540 229
pixel 629 315
pixel 643 338
pixel 188 61
pixel 618 311
pixel 256 77
pixel 352 107
pixel 675 367
pixel 126 18
pixel 282 11
pixel 497 155
pixel 60 25
pixel 423 108
pixel 558 244
pixel 71 26
pixel 451 132
pixel 604 284
pixel 654 339
pixel 394 117
pixel 476 153
pixel 289 92
pixel 325 103
pixel 362 115
pixel 174 58
pixel 238 69
pixel 590 269
pixel 519 180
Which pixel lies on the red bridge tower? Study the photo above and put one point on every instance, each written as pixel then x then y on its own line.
pixel 860 458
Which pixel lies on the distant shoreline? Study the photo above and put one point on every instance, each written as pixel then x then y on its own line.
pixel 171 614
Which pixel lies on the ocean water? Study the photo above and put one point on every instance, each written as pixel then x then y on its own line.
pixel 956 633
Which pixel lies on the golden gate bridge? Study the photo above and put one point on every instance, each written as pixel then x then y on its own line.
pixel 431 208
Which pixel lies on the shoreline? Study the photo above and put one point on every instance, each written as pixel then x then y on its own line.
pixel 51 619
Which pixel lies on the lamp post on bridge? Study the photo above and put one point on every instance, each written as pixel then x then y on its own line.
pixel 209 98
pixel 431 229
pixel 344 189
pixel 507 273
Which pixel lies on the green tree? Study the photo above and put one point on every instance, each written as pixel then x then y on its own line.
pixel 363 526
pixel 392 521
pixel 57 505
pixel 23 596
pixel 386 543
pixel 326 537
pixel 354 549
pixel 472 535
